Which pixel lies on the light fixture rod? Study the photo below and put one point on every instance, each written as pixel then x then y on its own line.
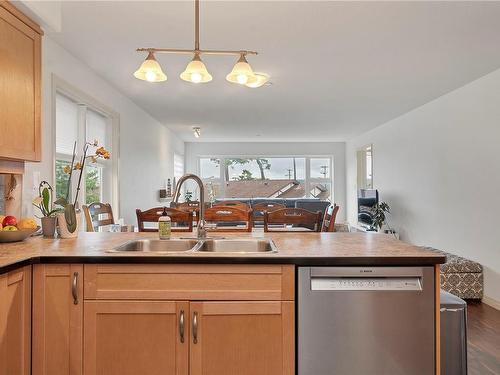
pixel 196 25
pixel 196 49
pixel 199 51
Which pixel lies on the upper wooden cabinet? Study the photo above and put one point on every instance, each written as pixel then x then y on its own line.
pixel 15 317
pixel 20 85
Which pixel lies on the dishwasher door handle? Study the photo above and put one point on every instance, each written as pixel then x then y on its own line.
pixel 373 284
pixel 366 272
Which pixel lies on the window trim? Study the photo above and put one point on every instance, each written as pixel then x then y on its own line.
pixel 58 85
pixel 308 178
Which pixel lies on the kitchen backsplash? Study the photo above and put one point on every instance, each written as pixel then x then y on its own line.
pixel 2 194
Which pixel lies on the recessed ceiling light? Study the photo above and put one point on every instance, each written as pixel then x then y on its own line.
pixel 197 131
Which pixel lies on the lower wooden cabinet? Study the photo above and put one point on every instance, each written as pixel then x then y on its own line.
pixel 131 333
pixel 57 319
pixel 15 322
pixel 136 337
pixel 244 338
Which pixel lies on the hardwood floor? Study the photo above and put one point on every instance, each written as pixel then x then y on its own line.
pixel 483 337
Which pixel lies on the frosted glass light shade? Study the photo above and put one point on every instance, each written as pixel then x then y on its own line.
pixel 150 70
pixel 242 73
pixel 196 71
pixel 262 78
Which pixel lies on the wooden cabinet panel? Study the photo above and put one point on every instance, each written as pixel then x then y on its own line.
pixel 244 338
pixel 20 88
pixel 15 322
pixel 57 319
pixel 189 282
pixel 135 337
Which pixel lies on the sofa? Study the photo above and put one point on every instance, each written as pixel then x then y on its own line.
pixel 460 276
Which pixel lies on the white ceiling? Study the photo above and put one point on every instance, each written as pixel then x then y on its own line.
pixel 338 68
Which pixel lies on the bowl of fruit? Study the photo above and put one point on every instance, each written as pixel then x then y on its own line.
pixel 12 230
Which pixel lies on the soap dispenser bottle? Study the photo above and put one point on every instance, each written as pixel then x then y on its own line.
pixel 164 225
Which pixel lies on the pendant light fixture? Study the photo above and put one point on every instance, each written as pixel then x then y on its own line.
pixel 242 72
pixel 196 71
pixel 150 70
pixel 261 79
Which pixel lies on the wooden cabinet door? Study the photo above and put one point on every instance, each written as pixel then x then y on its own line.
pixel 136 337
pixel 20 76
pixel 244 338
pixel 15 322
pixel 57 319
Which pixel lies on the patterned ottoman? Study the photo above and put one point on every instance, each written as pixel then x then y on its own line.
pixel 461 277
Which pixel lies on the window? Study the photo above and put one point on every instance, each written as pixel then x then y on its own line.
pixel 210 174
pixel 178 166
pixel 267 177
pixel 320 180
pixel 82 123
pixel 365 167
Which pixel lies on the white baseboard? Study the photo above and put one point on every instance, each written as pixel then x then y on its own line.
pixel 491 302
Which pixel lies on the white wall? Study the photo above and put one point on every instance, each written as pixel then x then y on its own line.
pixel 336 149
pixel 146 146
pixel 438 167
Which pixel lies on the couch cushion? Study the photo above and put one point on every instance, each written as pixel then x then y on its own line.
pixel 457 264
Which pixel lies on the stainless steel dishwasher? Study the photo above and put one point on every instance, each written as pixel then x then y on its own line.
pixel 366 321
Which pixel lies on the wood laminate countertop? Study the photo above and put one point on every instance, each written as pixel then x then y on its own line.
pixel 302 249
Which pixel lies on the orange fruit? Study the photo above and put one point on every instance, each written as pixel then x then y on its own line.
pixel 26 223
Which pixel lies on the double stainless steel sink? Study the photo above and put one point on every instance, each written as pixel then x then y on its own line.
pixel 216 245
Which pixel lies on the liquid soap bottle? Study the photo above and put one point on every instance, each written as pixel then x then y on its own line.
pixel 164 225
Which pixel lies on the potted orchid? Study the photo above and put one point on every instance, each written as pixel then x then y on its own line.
pixel 44 202
pixel 68 220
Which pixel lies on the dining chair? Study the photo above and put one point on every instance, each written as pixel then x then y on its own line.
pixel 260 208
pixel 329 218
pixel 188 206
pixel 193 207
pixel 229 219
pixel 298 218
pixel 94 213
pixel 236 204
pixel 184 218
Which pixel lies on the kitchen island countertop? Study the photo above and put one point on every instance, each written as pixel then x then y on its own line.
pixel 303 249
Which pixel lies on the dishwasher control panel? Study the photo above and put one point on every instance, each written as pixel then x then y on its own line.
pixel 365 283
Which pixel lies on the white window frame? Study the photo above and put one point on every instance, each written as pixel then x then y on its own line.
pixel 308 179
pixel 59 86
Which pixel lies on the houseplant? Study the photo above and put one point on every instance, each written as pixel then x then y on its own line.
pixel 44 202
pixel 68 220
pixel 188 195
pixel 379 218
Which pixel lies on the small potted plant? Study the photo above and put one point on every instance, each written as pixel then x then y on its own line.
pixel 68 220
pixel 44 202
pixel 188 195
pixel 379 218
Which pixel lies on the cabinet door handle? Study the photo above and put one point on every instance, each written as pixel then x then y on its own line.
pixel 195 328
pixel 74 288
pixel 181 326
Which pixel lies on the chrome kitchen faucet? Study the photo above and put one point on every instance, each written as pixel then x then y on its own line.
pixel 200 229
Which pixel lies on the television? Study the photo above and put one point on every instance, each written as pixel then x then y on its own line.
pixel 367 200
